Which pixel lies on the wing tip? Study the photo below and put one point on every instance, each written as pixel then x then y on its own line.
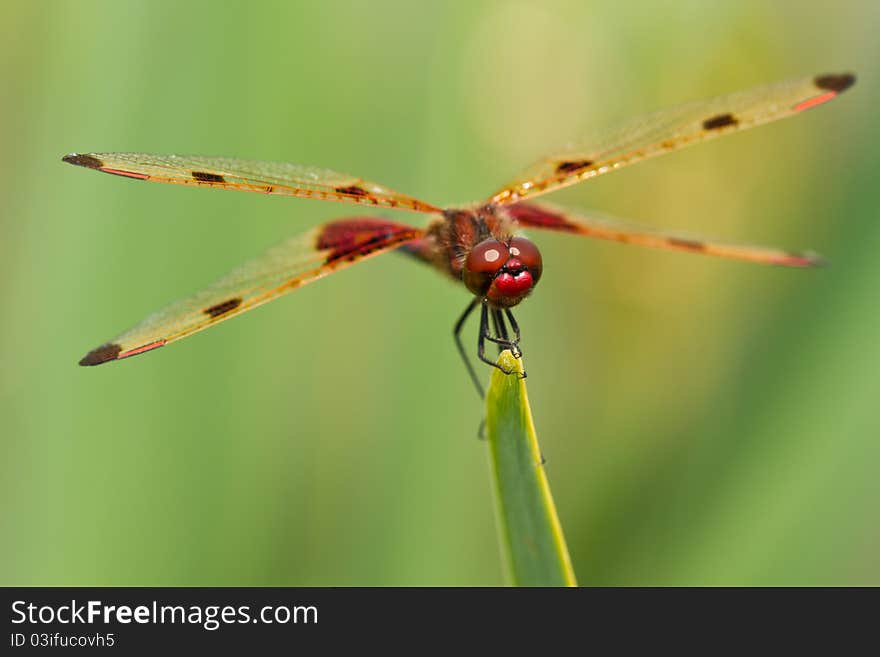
pixel 806 259
pixel 836 82
pixel 83 160
pixel 104 353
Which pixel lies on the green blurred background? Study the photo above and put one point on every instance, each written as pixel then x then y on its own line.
pixel 704 422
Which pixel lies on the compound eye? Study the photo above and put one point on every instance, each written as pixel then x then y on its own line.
pixel 482 264
pixel 487 256
pixel 528 254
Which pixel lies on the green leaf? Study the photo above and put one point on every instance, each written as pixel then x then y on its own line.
pixel 531 537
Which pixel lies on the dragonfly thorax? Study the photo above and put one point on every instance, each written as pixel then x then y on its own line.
pixel 503 273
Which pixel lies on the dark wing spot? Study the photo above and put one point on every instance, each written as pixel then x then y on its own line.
pixel 571 167
pixel 352 190
pixel 720 121
pixel 88 161
pixel 202 176
pixel 690 245
pixel 835 82
pixel 101 355
pixel 223 307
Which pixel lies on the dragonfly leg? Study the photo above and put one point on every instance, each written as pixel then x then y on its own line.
pixel 502 340
pixel 484 335
pixel 500 330
pixel 513 345
pixel 501 337
pixel 517 352
pixel 457 333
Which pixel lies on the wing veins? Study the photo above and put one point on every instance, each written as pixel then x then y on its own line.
pixel 671 129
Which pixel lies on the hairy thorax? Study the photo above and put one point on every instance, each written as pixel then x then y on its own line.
pixel 461 229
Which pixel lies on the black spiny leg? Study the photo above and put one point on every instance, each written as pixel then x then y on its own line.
pixel 500 330
pixel 457 333
pixel 484 335
pixel 516 350
pixel 502 340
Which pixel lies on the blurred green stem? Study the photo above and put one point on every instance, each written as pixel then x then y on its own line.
pixel 531 537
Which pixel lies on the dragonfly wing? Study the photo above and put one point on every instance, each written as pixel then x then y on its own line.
pixel 545 216
pixel 283 268
pixel 250 176
pixel 672 129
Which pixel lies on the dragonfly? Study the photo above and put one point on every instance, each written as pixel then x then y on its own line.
pixel 478 245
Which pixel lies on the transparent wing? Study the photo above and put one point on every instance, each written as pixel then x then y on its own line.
pixel 671 129
pixel 249 176
pixel 533 215
pixel 284 268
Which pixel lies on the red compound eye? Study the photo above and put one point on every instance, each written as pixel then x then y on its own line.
pixel 482 264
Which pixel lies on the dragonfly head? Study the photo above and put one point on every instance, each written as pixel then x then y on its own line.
pixel 503 273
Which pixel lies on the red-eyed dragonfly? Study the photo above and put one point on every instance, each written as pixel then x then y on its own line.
pixel 475 244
